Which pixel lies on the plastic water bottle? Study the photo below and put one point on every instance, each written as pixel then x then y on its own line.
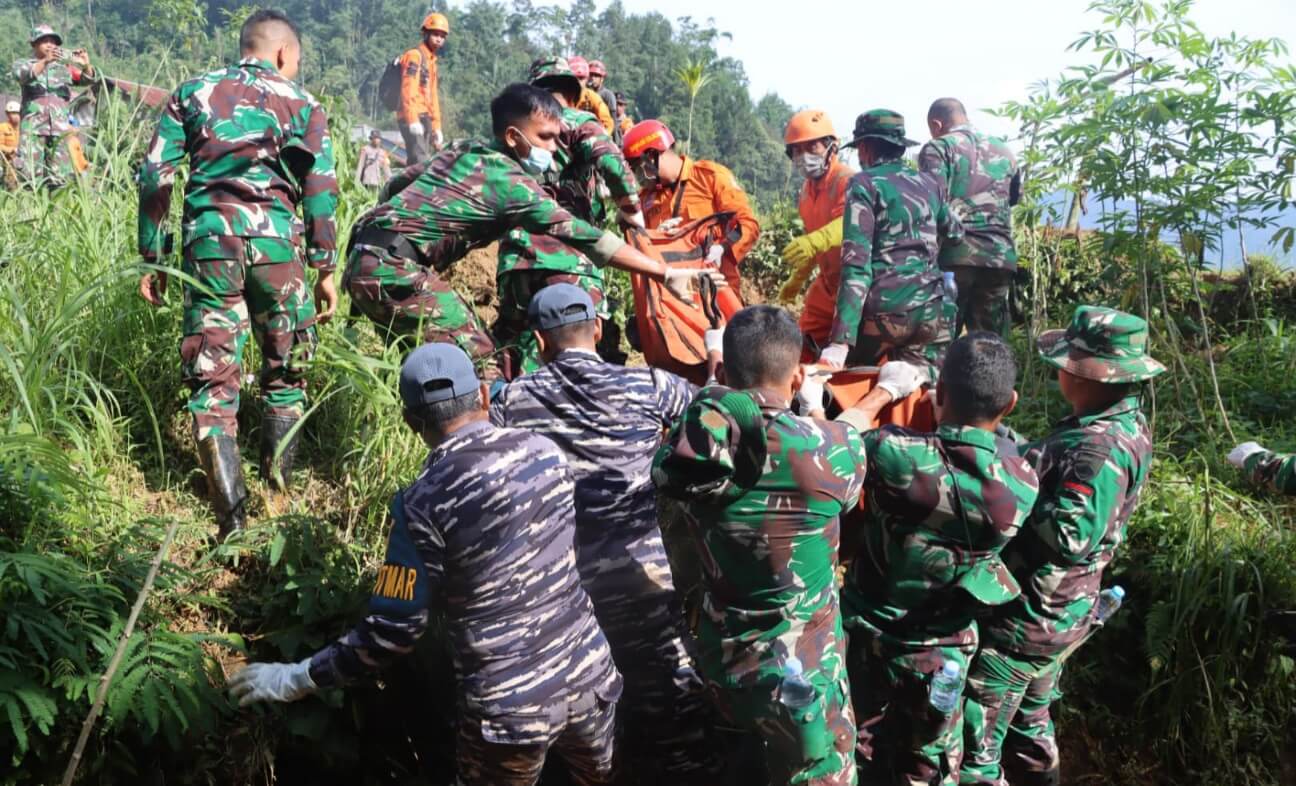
pixel 951 288
pixel 795 691
pixel 1108 601
pixel 945 688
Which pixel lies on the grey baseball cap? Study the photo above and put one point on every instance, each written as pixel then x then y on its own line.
pixel 560 304
pixel 436 372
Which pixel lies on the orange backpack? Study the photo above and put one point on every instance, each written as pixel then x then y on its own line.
pixel 671 331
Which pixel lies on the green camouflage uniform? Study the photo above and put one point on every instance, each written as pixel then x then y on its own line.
pixel 429 217
pixel 1274 471
pixel 939 507
pixel 764 490
pixel 983 180
pixel 891 298
pixel 258 148
pixel 586 157
pixel 43 156
pixel 1092 468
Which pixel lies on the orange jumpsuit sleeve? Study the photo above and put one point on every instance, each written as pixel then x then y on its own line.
pixel 728 195
pixel 418 99
pixel 433 96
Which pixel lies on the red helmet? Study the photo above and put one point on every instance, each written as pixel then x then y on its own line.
pixel 596 68
pixel 579 67
pixel 644 136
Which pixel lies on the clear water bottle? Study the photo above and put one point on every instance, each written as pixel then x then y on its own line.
pixel 951 287
pixel 795 691
pixel 946 688
pixel 1108 601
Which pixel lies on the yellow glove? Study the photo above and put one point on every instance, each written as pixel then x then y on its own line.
pixel 800 254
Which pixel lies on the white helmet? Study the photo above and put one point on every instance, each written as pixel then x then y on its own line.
pixel 14 107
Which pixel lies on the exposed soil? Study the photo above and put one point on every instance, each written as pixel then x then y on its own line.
pixel 474 276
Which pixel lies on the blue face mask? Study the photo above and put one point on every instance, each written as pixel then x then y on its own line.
pixel 537 160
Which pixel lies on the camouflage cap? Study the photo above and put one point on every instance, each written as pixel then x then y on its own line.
pixel 44 31
pixel 1101 344
pixel 990 581
pixel 555 73
pixel 880 124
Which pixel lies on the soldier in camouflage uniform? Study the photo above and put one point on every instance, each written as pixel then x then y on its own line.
pixel 242 245
pixel 586 157
pixel 1274 471
pixel 1092 468
pixel 939 507
pixel 465 197
pixel 984 183
pixel 486 533
pixel 46 82
pixel 608 419
pixel 890 301
pixel 763 490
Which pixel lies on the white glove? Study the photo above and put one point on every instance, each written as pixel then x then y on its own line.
pixel 1238 456
pixel 680 281
pixel 438 138
pixel 834 355
pixel 272 682
pixel 714 340
pixel 670 224
pixel 416 129
pixel 715 255
pixel 810 396
pixel 900 378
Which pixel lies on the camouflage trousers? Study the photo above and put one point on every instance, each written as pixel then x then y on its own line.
pixel 815 746
pixel 1008 699
pixel 44 160
pixel 918 336
pixel 983 300
pixel 521 353
pixel 902 739
pixel 664 711
pixel 407 301
pixel 242 285
pixel 510 750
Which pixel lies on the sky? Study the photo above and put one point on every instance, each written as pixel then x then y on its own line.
pixel 848 57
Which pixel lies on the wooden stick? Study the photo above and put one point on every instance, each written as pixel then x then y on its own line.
pixel 104 683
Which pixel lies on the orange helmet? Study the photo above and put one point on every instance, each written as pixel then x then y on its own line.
pixel 436 22
pixel 596 68
pixel 807 126
pixel 579 67
pixel 644 136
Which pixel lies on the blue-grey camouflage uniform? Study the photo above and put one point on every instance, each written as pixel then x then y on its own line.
pixel 609 420
pixel 487 532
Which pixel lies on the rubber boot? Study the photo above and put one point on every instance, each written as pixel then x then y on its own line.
pixel 225 488
pixel 274 428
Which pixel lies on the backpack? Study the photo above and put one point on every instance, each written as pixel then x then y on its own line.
pixel 389 85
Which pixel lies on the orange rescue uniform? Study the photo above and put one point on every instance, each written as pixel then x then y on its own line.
pixel 822 201
pixel 419 87
pixel 8 138
pixel 704 188
pixel 592 103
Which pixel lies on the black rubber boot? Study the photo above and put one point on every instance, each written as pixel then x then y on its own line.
pixel 278 475
pixel 225 488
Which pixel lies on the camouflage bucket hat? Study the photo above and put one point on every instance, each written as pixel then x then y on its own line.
pixel 1101 344
pixel 44 31
pixel 554 72
pixel 880 124
pixel 990 582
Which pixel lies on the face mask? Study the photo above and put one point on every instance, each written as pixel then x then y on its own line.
pixel 811 166
pixel 537 160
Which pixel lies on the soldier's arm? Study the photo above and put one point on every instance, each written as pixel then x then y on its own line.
pixel 26 70
pixel 674 394
pixel 729 196
pixel 695 463
pixel 1076 502
pixel 948 227
pixel 931 160
pixel 157 177
pixel 523 203
pixel 856 264
pixel 595 147
pixel 320 194
pixel 1274 471
pixel 401 181
pixel 398 610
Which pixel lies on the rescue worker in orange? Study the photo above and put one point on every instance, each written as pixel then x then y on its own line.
pixel 623 119
pixel 419 116
pixel 811 143
pixel 9 144
pixel 589 100
pixel 677 189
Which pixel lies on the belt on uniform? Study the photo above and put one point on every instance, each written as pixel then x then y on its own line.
pixel 393 243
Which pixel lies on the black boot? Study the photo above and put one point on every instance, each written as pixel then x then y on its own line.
pixel 277 474
pixel 1051 777
pixel 225 488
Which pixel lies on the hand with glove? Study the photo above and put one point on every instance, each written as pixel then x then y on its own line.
pixel 1239 455
pixel 810 396
pixel 715 255
pixel 438 139
pixel 901 379
pixel 416 129
pixel 800 256
pixel 713 340
pixel 681 281
pixel 272 682
pixel 671 224
pixel 834 356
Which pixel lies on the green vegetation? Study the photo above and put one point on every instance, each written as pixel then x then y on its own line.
pixel 1191 683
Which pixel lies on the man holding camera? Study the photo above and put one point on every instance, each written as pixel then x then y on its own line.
pixel 46 80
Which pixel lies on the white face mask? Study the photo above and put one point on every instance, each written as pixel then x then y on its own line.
pixel 810 165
